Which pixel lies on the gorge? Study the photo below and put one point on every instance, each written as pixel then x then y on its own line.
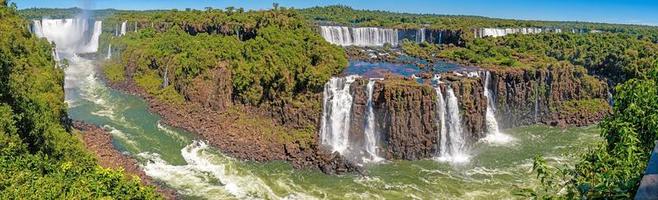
pixel 391 130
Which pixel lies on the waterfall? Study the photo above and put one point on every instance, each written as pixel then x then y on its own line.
pixel 165 82
pixel 369 133
pixel 441 114
pixel 109 51
pixel 420 35
pixel 123 28
pixel 361 36
pixel 499 32
pixel 337 106
pixel 70 35
pixel 452 138
pixel 493 132
pixel 116 30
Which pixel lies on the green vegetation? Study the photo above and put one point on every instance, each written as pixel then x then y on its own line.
pixel 616 56
pixel 271 54
pixel 347 16
pixel 40 157
pixel 573 107
pixel 614 168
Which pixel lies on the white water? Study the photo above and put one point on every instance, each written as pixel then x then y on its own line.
pixel 441 114
pixel 453 147
pixel 337 106
pixel 123 27
pixel 499 32
pixel 109 51
pixel 359 36
pixel 371 139
pixel 203 169
pixel 420 36
pixel 70 35
pixel 494 136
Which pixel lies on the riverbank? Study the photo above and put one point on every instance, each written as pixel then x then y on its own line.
pixel 241 133
pixel 99 142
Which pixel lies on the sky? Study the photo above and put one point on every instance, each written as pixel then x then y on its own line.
pixel 620 11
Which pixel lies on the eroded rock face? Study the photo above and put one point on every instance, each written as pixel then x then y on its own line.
pixel 406 112
pixel 527 97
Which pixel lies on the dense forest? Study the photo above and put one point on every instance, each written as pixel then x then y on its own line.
pixel 271 54
pixel 41 157
pixel 615 56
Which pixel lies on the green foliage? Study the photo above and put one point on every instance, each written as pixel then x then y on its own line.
pixel 115 72
pixel 271 54
pixel 614 168
pixel 39 157
pixel 573 107
pixel 616 56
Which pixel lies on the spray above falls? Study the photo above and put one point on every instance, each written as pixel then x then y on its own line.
pixel 76 35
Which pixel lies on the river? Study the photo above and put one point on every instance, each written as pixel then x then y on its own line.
pixel 180 160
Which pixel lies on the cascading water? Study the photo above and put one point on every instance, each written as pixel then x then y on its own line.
pixel 337 107
pixel 453 147
pixel 123 27
pixel 173 157
pixel 369 133
pixel 499 32
pixel 361 36
pixel 70 35
pixel 109 51
pixel 493 132
pixel 420 36
pixel 441 114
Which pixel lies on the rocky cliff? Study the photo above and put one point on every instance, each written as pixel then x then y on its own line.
pixel 558 95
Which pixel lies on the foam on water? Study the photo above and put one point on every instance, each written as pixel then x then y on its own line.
pixel 207 175
pixel 170 132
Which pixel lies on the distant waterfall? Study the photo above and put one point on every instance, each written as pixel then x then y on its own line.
pixel 337 107
pixel 109 51
pixel 493 132
pixel 453 145
pixel 370 137
pixel 123 27
pixel 420 36
pixel 70 35
pixel 361 36
pixel 499 32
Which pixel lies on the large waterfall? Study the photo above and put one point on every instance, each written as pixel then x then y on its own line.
pixel 337 107
pixel 493 132
pixel 452 145
pixel 370 136
pixel 337 119
pixel 359 36
pixel 70 35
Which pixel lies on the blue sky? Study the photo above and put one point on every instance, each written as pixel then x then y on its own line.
pixel 619 11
